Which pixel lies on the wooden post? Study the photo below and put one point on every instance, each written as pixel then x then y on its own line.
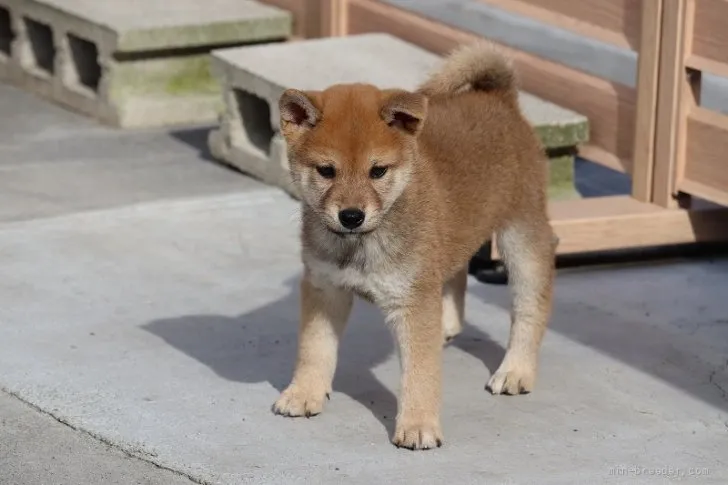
pixel 647 94
pixel 677 97
pixel 334 16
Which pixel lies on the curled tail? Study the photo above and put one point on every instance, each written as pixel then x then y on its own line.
pixel 479 67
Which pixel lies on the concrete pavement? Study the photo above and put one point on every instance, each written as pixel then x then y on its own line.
pixel 154 310
pixel 37 449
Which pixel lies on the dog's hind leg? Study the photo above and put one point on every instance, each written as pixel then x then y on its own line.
pixel 528 249
pixel 453 304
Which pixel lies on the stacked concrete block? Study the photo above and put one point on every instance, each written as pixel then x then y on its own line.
pixel 561 131
pixel 129 63
pixel 253 78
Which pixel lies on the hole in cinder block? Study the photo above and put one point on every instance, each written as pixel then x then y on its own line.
pixel 255 115
pixel 84 56
pixel 42 47
pixel 6 31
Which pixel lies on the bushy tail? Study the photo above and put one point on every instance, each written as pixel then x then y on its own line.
pixel 478 66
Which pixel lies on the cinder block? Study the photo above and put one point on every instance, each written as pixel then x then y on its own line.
pixel 253 78
pixel 129 63
pixel 6 41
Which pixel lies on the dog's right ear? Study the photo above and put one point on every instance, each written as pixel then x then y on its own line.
pixel 299 112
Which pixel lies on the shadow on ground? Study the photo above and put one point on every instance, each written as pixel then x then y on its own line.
pixel 196 137
pixel 260 346
pixel 651 347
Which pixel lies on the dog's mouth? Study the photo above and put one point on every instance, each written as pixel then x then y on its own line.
pixel 349 234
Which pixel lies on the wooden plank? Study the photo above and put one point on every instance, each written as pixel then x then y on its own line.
pixel 707 156
pixel 700 63
pixel 711 118
pixel 710 35
pixel 599 207
pixel 334 17
pixel 609 21
pixel 690 91
pixel 647 92
pixel 610 107
pixel 602 157
pixel 706 192
pixel 621 222
pixel 670 109
pixel 610 223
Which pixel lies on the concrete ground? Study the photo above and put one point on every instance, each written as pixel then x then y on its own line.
pixel 148 312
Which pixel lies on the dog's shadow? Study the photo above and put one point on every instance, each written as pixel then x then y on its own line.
pixel 260 346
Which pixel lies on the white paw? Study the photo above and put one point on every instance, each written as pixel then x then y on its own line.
pixel 297 401
pixel 420 434
pixel 513 379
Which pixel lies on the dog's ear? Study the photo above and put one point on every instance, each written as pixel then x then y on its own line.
pixel 299 112
pixel 404 110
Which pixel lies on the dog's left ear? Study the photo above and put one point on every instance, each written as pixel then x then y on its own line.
pixel 404 110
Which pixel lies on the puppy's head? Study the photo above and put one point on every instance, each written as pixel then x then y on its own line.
pixel 352 150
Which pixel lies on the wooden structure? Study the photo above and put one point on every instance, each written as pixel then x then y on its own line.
pixel 674 150
pixel 692 142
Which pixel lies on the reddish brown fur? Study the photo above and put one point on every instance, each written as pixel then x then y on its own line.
pixel 463 164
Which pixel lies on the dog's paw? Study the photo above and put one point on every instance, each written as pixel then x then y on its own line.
pixel 451 328
pixel 417 434
pixel 449 338
pixel 512 379
pixel 296 401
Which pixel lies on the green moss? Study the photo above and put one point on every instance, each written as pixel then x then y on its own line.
pixel 561 170
pixel 560 136
pixel 562 182
pixel 170 77
pixel 194 77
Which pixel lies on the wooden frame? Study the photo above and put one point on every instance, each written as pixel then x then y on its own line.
pixel 626 128
pixel 692 141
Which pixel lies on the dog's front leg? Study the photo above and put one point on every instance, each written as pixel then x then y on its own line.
pixel 324 312
pixel 418 329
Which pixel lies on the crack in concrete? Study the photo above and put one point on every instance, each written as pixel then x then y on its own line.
pixel 711 379
pixel 136 454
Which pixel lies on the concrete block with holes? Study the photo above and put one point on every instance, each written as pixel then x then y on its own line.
pixel 130 63
pixel 253 78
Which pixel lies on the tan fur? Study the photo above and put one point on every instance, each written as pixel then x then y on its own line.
pixel 462 164
pixel 478 66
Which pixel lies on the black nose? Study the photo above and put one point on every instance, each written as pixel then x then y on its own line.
pixel 351 218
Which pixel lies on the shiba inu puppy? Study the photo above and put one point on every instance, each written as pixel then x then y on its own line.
pixel 399 189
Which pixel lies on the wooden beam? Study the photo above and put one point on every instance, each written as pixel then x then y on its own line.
pixel 609 223
pixel 705 173
pixel 608 21
pixel 621 222
pixel 648 70
pixel 669 142
pixel 334 17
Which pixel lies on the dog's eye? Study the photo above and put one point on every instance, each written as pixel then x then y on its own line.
pixel 326 171
pixel 377 172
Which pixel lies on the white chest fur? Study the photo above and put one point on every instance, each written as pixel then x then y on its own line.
pixel 386 289
pixel 371 274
